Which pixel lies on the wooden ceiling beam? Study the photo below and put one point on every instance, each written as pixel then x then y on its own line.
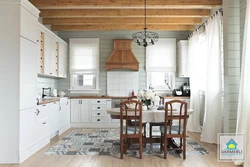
pixel 158 20
pixel 69 4
pixel 69 13
pixel 120 27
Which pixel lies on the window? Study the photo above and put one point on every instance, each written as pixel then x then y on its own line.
pixel 161 81
pixel 84 65
pixel 161 65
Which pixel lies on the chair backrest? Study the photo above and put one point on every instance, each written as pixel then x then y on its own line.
pixel 179 115
pixel 131 114
pixel 161 102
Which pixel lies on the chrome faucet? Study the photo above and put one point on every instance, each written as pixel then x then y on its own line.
pixel 43 95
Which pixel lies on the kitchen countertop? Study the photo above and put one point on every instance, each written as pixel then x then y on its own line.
pixel 50 100
pixel 122 97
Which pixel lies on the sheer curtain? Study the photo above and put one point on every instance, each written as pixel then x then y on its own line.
pixel 243 120
pixel 213 100
pixel 194 56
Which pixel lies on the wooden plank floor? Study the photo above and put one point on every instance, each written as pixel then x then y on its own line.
pixel 41 160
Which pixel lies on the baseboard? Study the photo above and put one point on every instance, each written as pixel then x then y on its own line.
pixel 32 150
pixel 64 129
pixel 95 125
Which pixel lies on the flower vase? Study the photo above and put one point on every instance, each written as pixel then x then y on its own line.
pixel 144 108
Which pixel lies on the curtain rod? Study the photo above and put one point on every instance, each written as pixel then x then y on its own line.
pixel 203 24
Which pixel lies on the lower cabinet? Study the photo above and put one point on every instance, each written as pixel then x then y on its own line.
pixel 91 113
pixel 80 110
pixel 39 124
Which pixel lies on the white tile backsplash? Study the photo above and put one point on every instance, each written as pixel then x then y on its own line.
pixel 121 83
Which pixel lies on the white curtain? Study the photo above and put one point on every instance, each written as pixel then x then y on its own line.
pixel 243 117
pixel 213 100
pixel 193 52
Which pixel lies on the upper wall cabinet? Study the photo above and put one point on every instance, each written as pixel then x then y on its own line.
pixel 29 24
pixel 52 54
pixel 63 52
pixel 183 61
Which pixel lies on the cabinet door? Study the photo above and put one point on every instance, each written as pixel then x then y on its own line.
pixel 28 25
pixel 54 117
pixel 42 119
pixel 46 54
pixel 52 55
pixel 28 126
pixel 75 110
pixel 183 62
pixel 28 74
pixel 85 110
pixel 63 60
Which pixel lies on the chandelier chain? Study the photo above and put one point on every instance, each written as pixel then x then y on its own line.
pixel 145 38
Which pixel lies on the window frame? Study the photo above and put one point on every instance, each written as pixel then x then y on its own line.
pixel 74 86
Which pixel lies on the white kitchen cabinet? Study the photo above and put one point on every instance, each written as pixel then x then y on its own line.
pixel 34 130
pixel 63 60
pixel 80 110
pixel 183 60
pixel 98 110
pixel 53 53
pixel 43 122
pixel 28 126
pixel 50 56
pixel 28 74
pixel 28 25
pixel 18 83
pixel 64 113
pixel 53 109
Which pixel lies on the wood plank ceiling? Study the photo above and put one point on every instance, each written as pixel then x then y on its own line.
pixel 80 15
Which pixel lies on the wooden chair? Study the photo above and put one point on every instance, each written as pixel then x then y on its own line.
pixel 170 131
pixel 130 111
pixel 152 124
pixel 144 123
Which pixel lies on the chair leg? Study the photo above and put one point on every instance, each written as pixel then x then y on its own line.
pixel 180 142
pixel 161 142
pixel 165 146
pixel 140 143
pixel 150 131
pixel 184 147
pixel 121 147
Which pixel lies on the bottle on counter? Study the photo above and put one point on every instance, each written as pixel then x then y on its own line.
pixel 133 93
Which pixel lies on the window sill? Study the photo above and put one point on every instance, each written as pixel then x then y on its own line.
pixel 91 91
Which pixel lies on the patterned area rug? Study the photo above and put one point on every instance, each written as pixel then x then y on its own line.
pixel 106 142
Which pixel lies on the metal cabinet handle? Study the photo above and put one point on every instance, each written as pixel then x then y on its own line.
pixel 44 123
pixel 67 103
pixel 98 120
pixel 98 107
pixel 98 101
pixel 37 112
pixel 98 113
pixel 60 108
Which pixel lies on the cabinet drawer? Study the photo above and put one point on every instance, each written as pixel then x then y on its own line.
pixel 99 101
pixel 99 107
pixel 98 119
pixel 98 113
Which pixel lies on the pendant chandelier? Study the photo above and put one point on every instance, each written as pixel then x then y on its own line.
pixel 145 38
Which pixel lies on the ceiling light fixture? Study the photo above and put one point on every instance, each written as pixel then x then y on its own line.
pixel 145 38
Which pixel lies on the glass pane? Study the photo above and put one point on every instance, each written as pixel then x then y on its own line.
pixel 88 80
pixel 80 80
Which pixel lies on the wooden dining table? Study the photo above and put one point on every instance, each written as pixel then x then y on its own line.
pixel 149 116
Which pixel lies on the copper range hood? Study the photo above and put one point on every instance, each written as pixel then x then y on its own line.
pixel 122 56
